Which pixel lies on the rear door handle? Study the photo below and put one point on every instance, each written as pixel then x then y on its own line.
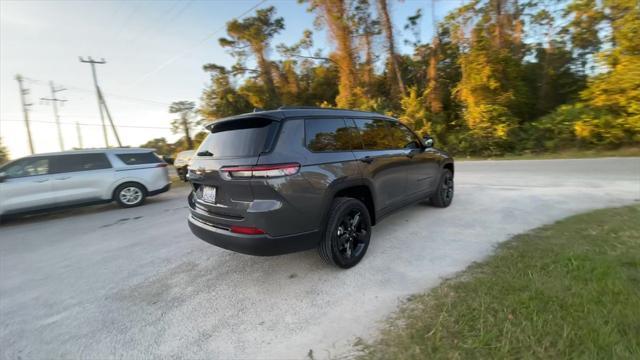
pixel 367 159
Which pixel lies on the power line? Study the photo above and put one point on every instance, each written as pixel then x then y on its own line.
pixel 88 124
pixel 54 102
pixel 188 50
pixel 85 90
pixel 143 33
pixel 102 104
pixel 162 27
pixel 127 19
pixel 95 82
pixel 25 109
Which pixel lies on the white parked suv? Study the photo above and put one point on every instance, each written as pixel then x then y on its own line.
pixel 45 181
pixel 182 163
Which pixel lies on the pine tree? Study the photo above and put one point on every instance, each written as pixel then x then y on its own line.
pixel 334 14
pixel 255 33
pixel 387 25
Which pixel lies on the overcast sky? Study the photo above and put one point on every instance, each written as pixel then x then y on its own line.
pixel 154 52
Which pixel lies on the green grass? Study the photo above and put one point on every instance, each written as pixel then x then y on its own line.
pixel 566 154
pixel 567 290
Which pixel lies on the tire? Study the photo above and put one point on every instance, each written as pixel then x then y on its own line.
pixel 182 173
pixel 130 194
pixel 341 245
pixel 444 193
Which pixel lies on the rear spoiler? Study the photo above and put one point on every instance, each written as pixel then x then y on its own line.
pixel 209 126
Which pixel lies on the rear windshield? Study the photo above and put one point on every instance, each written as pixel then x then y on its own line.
pixel 139 158
pixel 238 138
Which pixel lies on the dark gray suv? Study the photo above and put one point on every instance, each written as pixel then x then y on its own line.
pixel 292 179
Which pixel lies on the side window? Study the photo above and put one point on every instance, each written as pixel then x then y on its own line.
pixel 80 162
pixel 402 137
pixel 328 135
pixel 139 158
pixel 375 134
pixel 28 167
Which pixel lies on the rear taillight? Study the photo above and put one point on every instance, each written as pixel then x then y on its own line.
pixel 162 165
pixel 261 171
pixel 246 230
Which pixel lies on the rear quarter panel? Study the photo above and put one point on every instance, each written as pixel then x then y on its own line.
pixel 308 194
pixel 149 175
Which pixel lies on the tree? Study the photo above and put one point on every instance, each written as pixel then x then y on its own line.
pixel 161 145
pixel 552 78
pixel 221 99
pixel 583 28
pixel 4 153
pixel 366 30
pixel 617 91
pixel 387 25
pixel 434 96
pixel 289 82
pixel 255 33
pixel 492 87
pixel 497 76
pixel 334 14
pixel 186 122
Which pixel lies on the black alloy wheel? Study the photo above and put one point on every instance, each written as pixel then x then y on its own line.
pixel 347 234
pixel 444 193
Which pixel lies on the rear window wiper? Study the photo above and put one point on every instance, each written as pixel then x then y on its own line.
pixel 204 153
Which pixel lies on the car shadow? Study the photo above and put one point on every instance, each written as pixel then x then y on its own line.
pixel 72 211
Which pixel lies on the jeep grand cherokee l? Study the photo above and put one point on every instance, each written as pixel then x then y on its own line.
pixel 292 179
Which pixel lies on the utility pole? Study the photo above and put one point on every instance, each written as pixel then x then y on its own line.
pixel 54 101
pixel 106 110
pixel 79 135
pixel 25 110
pixel 101 102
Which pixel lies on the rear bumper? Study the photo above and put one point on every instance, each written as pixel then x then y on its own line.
pixel 259 245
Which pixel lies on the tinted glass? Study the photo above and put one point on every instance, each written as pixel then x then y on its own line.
pixel 238 138
pixel 79 162
pixel 27 167
pixel 328 135
pixel 139 158
pixel 402 137
pixel 375 134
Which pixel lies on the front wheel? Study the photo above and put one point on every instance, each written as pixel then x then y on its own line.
pixel 346 237
pixel 444 193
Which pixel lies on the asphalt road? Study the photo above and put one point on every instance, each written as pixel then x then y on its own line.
pixel 104 282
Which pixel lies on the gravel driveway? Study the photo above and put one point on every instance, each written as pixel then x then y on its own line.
pixel 104 282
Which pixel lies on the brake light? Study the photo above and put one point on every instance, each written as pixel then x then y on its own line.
pixel 246 230
pixel 261 171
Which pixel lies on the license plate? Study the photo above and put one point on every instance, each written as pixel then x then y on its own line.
pixel 209 194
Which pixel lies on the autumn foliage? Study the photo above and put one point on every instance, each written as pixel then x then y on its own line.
pixel 497 76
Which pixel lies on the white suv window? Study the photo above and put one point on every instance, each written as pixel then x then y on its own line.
pixel 79 162
pixel 139 158
pixel 28 167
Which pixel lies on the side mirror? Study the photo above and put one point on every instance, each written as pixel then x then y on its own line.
pixel 3 176
pixel 428 141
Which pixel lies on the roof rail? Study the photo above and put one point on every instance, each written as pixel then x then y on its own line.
pixel 317 108
pixel 294 107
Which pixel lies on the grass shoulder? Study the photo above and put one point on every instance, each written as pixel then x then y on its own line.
pixel 566 290
pixel 631 151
